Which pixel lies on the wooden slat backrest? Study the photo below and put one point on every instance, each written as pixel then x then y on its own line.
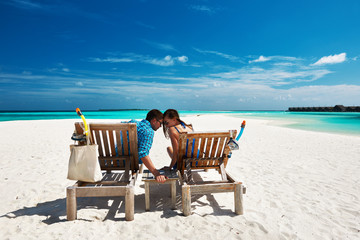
pixel 205 149
pixel 118 148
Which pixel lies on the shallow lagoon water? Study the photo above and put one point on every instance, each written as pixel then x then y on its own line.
pixel 333 122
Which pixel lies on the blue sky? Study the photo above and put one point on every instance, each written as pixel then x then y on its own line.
pixel 187 55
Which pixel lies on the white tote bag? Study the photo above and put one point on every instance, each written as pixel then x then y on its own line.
pixel 84 164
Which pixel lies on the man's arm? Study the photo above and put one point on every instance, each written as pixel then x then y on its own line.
pixel 148 163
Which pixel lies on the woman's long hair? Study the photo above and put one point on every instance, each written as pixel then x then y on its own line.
pixel 172 113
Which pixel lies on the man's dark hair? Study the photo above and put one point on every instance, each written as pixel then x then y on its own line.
pixel 154 114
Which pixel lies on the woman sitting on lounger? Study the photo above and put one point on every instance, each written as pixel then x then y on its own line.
pixel 173 126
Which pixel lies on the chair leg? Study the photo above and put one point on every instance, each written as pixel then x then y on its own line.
pixel 173 194
pixel 129 203
pixel 71 206
pixel 147 196
pixel 186 200
pixel 238 198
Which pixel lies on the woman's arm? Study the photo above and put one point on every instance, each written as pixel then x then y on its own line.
pixel 174 137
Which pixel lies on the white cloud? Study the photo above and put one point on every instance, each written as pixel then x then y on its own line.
pixel 25 4
pixel 261 59
pixel 66 70
pixel 272 76
pixel 202 8
pixel 322 95
pixel 254 88
pixel 224 55
pixel 217 84
pixel 182 59
pixel 162 46
pixel 284 64
pixel 279 60
pixel 332 59
pixel 282 97
pixel 111 60
pixel 166 61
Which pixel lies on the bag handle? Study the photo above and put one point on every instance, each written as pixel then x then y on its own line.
pixel 88 136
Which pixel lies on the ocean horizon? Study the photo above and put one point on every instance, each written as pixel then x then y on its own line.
pixel 331 122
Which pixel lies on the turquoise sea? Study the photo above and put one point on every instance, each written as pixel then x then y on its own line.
pixel 333 122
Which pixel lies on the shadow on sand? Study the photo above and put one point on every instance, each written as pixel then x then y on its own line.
pixel 160 200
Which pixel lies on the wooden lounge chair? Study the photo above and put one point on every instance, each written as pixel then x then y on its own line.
pixel 122 136
pixel 203 151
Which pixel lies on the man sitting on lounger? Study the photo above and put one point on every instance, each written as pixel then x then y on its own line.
pixel 145 132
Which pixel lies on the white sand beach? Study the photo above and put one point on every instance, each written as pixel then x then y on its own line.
pixel 300 185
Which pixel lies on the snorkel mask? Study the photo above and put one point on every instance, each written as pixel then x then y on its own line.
pixel 233 144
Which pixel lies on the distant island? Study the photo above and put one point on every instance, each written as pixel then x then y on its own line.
pixel 336 108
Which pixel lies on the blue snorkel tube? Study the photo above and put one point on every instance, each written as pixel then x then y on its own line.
pixel 233 144
pixel 242 130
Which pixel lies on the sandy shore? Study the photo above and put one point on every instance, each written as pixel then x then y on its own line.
pixel 300 185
